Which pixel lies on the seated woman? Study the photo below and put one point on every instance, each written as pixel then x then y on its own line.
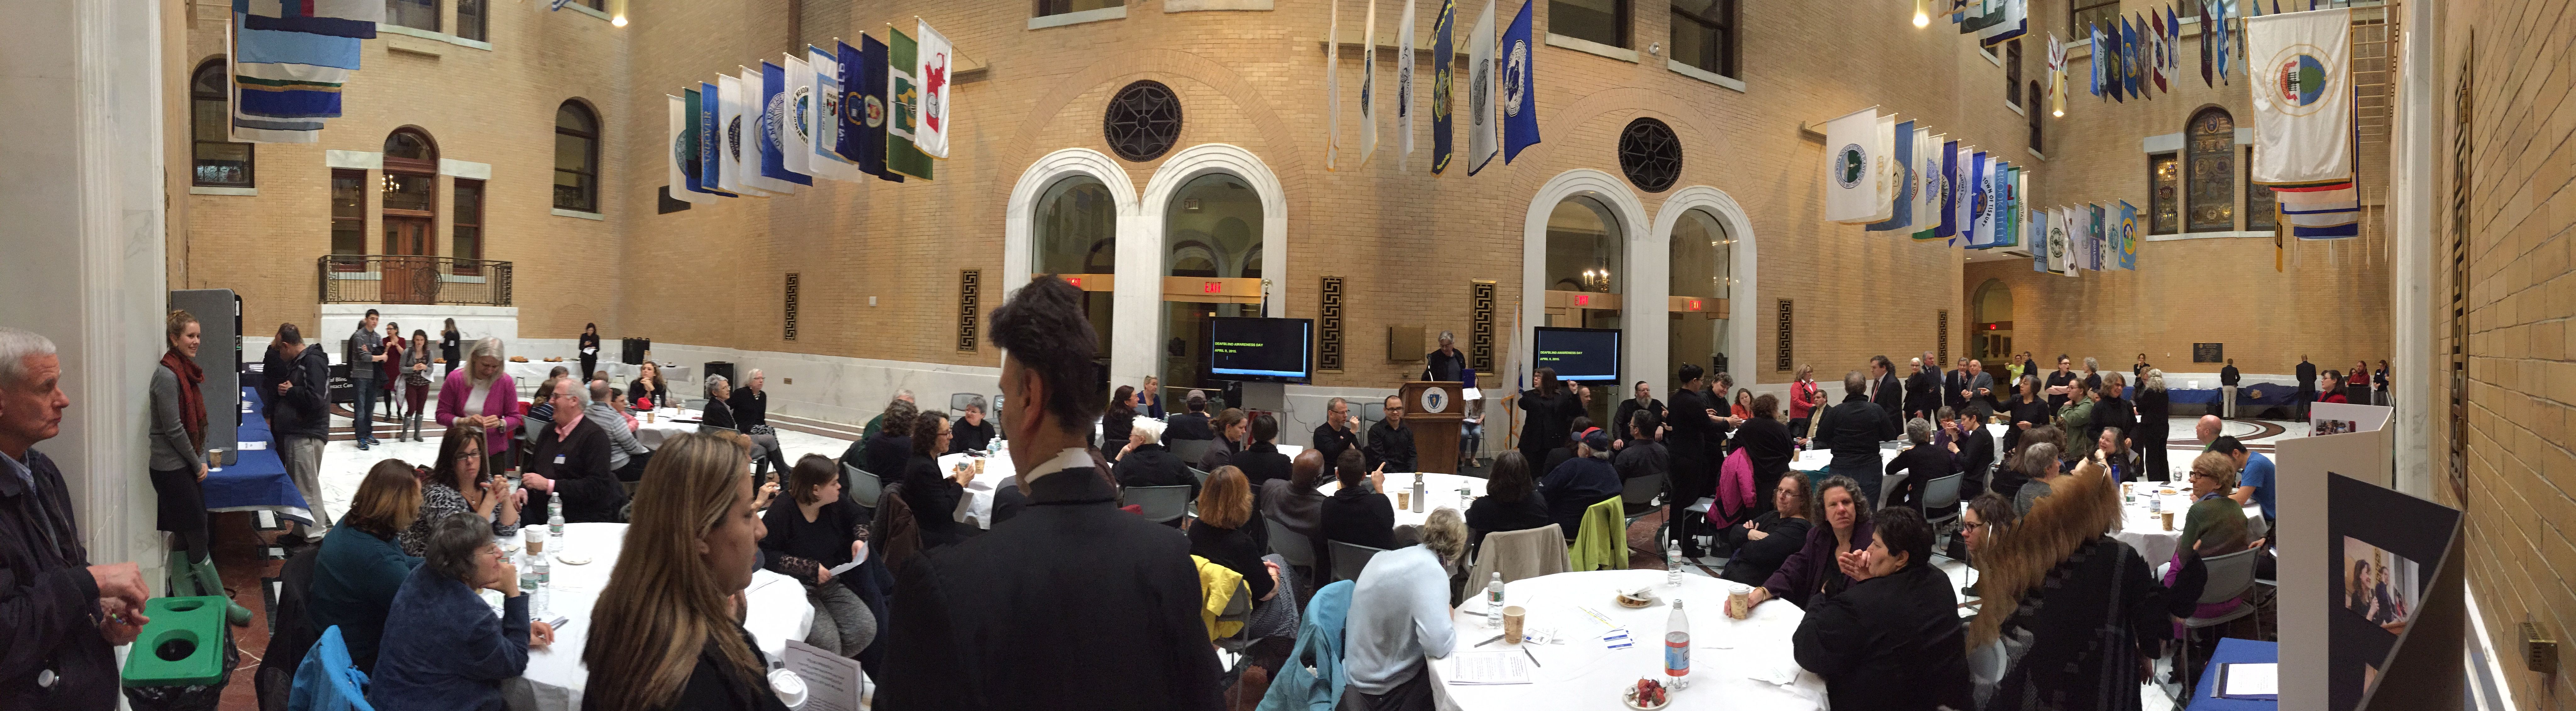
pixel 1892 640
pixel 931 493
pixel 1399 615
pixel 359 567
pixel 1121 417
pixel 1511 501
pixel 1226 532
pixel 1986 516
pixel 1815 567
pixel 2069 612
pixel 452 653
pixel 1920 464
pixel 1768 540
pixel 457 485
pixel 2039 461
pixel 1146 462
pixel 885 453
pixel 2112 454
pixel 1229 427
pixel 811 531
pixel 2214 526
pixel 649 388
pixel 1259 458
pixel 666 632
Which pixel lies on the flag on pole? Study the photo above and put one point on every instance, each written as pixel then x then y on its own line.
pixel 1520 85
pixel 1890 173
pixel 1901 203
pixel 863 107
pixel 2302 99
pixel 2039 256
pixel 2208 42
pixel 2008 220
pixel 699 103
pixel 2056 76
pixel 1952 207
pixel 2125 242
pixel 1978 227
pixel 795 141
pixel 2162 46
pixel 711 141
pixel 2100 52
pixel 822 123
pixel 681 156
pixel 2173 42
pixel 1481 145
pixel 730 173
pixel 1850 181
pixel 355 19
pixel 1927 185
pixel 933 65
pixel 2096 239
pixel 2062 248
pixel 1404 90
pixel 2223 55
pixel 774 130
pixel 1368 85
pixel 1443 52
pixel 1973 19
pixel 903 107
pixel 1333 85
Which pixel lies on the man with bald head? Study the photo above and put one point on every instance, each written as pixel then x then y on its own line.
pixel 1293 502
pixel 2206 430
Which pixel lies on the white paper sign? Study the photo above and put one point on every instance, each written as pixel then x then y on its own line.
pixel 832 681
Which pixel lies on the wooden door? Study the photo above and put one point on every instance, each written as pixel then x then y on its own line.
pixel 410 272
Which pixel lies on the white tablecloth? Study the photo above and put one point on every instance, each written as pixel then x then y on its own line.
pixel 776 612
pixel 2145 530
pixel 666 422
pixel 1438 490
pixel 1726 654
pixel 528 374
pixel 977 505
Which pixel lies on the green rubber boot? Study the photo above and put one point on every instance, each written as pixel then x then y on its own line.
pixel 183 579
pixel 213 584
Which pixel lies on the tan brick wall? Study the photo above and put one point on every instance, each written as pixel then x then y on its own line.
pixel 2521 380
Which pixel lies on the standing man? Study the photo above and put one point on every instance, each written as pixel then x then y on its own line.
pixel 365 352
pixel 1980 391
pixel 65 617
pixel 1694 433
pixel 1445 364
pixel 1923 387
pixel 1072 603
pixel 1954 386
pixel 1888 392
pixel 2227 379
pixel 1335 434
pixel 1390 443
pixel 303 415
pixel 2307 375
pixel 1853 430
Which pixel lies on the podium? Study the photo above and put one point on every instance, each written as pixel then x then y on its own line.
pixel 1435 411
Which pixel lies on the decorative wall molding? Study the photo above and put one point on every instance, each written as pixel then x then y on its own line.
pixel 1328 357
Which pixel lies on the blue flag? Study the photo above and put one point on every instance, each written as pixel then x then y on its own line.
pixel 1441 96
pixel 1905 193
pixel 1949 226
pixel 1520 86
pixel 710 138
pixel 2096 61
pixel 863 132
pixel 771 123
pixel 2124 237
pixel 1980 211
pixel 2128 57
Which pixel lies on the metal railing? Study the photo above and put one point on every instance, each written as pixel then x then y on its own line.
pixel 401 279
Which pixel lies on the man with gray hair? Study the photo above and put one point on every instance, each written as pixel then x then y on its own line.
pixel 1445 363
pixel 66 616
pixel 1337 433
pixel 570 459
pixel 1852 430
pixel 626 456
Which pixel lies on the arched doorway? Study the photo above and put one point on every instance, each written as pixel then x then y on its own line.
pixel 1212 240
pixel 410 199
pixel 1994 314
pixel 1074 234
pixel 1586 274
pixel 1703 282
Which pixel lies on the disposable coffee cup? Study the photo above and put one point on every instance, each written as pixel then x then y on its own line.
pixel 1404 499
pixel 2168 517
pixel 789 687
pixel 1513 618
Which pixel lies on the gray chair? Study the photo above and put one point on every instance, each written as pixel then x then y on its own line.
pixel 1941 504
pixel 1370 413
pixel 1199 474
pixel 1162 504
pixel 1638 496
pixel 860 485
pixel 2230 577
pixel 1291 546
pixel 1238 609
pixel 957 403
pixel 1888 486
pixel 1190 450
pixel 1350 558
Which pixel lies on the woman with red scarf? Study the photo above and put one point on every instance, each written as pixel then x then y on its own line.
pixel 178 462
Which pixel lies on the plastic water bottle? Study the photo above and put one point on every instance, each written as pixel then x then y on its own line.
pixel 1672 564
pixel 1494 602
pixel 545 583
pixel 554 517
pixel 1677 647
pixel 1418 493
pixel 528 574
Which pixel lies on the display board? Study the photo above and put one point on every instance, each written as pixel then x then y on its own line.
pixel 1579 354
pixel 2328 418
pixel 1261 349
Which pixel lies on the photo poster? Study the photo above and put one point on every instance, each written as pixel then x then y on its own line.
pixel 2327 418
pixel 2394 636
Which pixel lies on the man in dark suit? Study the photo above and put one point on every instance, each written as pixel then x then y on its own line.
pixel 1953 384
pixel 1923 387
pixel 1072 603
pixel 570 460
pixel 1192 424
pixel 2227 379
pixel 1889 394
pixel 2307 375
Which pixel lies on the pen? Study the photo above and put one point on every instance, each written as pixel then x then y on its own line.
pixel 1532 657
pixel 1497 638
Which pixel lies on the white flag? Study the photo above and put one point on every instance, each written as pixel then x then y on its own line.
pixel 2060 245
pixel 752 107
pixel 1851 168
pixel 931 66
pixel 1963 196
pixel 678 155
pixel 1333 87
pixel 1927 183
pixel 1404 88
pixel 795 137
pixel 731 139
pixel 822 121
pixel 1368 85
pixel 1481 145
pixel 2302 97
pixel 1891 175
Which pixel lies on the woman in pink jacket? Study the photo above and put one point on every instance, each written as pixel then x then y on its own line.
pixel 483 396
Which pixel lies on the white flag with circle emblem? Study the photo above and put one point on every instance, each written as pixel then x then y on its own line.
pixel 680 154
pixel 1851 172
pixel 932 67
pixel 1481 144
pixel 2302 97
pixel 1404 88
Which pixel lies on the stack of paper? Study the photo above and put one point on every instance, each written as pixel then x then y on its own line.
pixel 1477 668
pixel 2248 681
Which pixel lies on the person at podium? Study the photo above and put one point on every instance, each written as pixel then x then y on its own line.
pixel 1445 364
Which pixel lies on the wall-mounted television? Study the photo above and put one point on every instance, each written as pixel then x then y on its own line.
pixel 1279 350
pixel 1579 354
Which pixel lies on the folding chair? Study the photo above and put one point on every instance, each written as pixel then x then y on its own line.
pixel 1189 450
pixel 2230 577
pixel 1350 558
pixel 1162 504
pixel 1941 495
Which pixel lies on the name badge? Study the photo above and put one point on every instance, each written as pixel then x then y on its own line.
pixel 559 459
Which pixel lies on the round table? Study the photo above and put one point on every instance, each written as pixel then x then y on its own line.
pixel 666 422
pixel 2145 530
pixel 776 611
pixel 976 507
pixel 1439 490
pixel 1734 663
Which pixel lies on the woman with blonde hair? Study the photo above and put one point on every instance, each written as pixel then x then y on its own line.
pixel 667 630
pixel 1223 533
pixel 178 466
pixel 2072 616
pixel 485 396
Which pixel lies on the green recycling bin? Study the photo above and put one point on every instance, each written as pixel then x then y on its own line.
pixel 183 645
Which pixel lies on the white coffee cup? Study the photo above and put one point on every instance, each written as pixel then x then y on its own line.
pixel 789 687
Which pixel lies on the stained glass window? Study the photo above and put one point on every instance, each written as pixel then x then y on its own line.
pixel 2259 201
pixel 2164 184
pixel 2210 141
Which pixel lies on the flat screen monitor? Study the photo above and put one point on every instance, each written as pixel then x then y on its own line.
pixel 1579 354
pixel 1261 349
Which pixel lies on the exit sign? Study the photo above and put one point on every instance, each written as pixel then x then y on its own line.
pixel 1583 299
pixel 1212 287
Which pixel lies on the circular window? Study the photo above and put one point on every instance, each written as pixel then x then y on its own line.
pixel 1650 154
pixel 1143 121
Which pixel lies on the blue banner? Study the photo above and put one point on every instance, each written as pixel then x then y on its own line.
pixel 1520 86
pixel 1949 191
pixel 772 125
pixel 1444 57
pixel 1905 194
pixel 863 107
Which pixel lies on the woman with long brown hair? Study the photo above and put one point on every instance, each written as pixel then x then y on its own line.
pixel 2072 616
pixel 458 483
pixel 178 465
pixel 667 630
pixel 1543 428
pixel 360 567
pixel 415 380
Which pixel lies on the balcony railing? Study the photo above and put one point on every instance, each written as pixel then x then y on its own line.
pixel 400 279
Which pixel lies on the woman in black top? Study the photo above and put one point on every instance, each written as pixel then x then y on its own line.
pixel 1511 501
pixel 1767 442
pixel 1121 418
pixel 1765 542
pixel 809 533
pixel 589 351
pixel 2148 437
pixel 2030 411
pixel 1921 464
pixel 885 454
pixel 648 387
pixel 1260 460
pixel 933 496
pixel 1543 428
pixel 449 344
pixel 1226 533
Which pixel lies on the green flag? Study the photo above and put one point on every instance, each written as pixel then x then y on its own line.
pixel 903 107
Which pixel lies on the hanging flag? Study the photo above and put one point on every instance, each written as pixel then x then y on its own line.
pixel 2061 225
pixel 2039 260
pixel 1333 85
pixel 2056 76
pixel 2016 20
pixel 1520 86
pixel 822 123
pixel 2302 98
pixel 2008 218
pixel 1900 214
pixel 695 107
pixel 1975 228
pixel 774 131
pixel 1850 183
pixel 1990 28
pixel 1368 85
pixel 1927 185
pixel 2208 41
pixel 283 83
pixel 2095 57
pixel 2090 252
pixel 2125 244
pixel 2161 46
pixel 710 140
pixel 730 132
pixel 2116 71
pixel 679 156
pixel 2226 41
pixel 1404 90
pixel 355 19
pixel 1953 208
pixel 1481 145
pixel 903 106
pixel 1889 174
pixel 2321 214
pixel 795 142
pixel 1443 55
pixel 934 64
pixel 2173 42
pixel 2276 6
pixel 863 107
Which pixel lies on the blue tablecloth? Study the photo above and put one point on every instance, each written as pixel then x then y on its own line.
pixel 256 480
pixel 2233 651
pixel 2247 400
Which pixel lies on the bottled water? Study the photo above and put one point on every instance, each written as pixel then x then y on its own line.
pixel 545 580
pixel 528 574
pixel 1494 602
pixel 554 517
pixel 1677 647
pixel 1672 564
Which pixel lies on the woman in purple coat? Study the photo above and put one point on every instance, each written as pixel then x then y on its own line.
pixel 483 396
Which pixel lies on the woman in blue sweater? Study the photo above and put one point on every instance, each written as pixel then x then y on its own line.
pixel 360 566
pixel 452 653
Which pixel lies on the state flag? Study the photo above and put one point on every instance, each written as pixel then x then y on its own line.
pixel 1901 199
pixel 1520 86
pixel 1442 48
pixel 903 106
pixel 934 66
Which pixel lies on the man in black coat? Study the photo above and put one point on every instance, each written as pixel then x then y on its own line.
pixel 1892 640
pixel 573 464
pixel 1390 443
pixel 1953 383
pixel 1192 424
pixel 971 432
pixel 2307 375
pixel 1627 412
pixel 1692 440
pixel 1261 461
pixel 65 616
pixel 1973 450
pixel 1852 430
pixel 1072 603
pixel 1336 433
pixel 1923 388
pixel 1890 392
pixel 2228 377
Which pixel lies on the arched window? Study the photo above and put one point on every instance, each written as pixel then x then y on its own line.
pixel 1075 233
pixel 1583 251
pixel 1703 271
pixel 576 158
pixel 2209 196
pixel 410 207
pixel 2037 104
pixel 1212 230
pixel 1993 336
pixel 219 162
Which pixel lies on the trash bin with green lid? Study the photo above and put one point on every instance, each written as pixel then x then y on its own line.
pixel 183 657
